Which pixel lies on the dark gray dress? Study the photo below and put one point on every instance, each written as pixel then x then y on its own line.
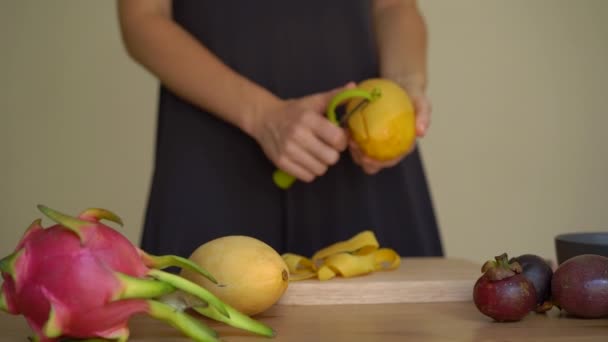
pixel 211 180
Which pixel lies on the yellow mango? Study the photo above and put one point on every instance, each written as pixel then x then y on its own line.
pixel 384 128
pixel 253 276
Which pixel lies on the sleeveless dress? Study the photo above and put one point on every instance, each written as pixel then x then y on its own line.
pixel 211 180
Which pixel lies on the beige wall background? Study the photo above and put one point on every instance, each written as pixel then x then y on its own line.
pixel 515 156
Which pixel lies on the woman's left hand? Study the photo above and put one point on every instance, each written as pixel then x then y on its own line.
pixel 422 108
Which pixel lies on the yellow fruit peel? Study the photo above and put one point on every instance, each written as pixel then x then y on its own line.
pixel 364 239
pixel 386 259
pixel 300 267
pixel 302 276
pixel 325 273
pixel 357 256
pixel 297 263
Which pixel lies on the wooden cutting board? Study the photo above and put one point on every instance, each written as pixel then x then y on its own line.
pixel 417 280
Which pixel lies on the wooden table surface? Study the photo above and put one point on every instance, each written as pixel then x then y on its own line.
pixel 417 280
pixel 453 321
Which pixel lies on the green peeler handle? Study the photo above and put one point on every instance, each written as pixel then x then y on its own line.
pixel 284 180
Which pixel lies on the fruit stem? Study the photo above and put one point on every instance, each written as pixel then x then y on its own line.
pixel 7 264
pixel 190 287
pixel 52 328
pixel 188 325
pixel 141 288
pixel 69 222
pixel 348 94
pixel 36 225
pixel 500 268
pixel 3 302
pixel 98 214
pixel 165 261
pixel 237 320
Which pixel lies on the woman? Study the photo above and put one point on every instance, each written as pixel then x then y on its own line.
pixel 244 85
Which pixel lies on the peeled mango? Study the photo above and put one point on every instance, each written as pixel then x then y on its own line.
pixel 357 256
pixel 384 128
pixel 251 274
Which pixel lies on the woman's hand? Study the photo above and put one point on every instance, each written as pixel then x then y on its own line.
pixel 297 137
pixel 422 108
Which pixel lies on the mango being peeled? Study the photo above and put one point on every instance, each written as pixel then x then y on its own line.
pixel 384 128
pixel 253 276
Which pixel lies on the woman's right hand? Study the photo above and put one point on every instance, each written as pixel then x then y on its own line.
pixel 294 134
pixel 298 138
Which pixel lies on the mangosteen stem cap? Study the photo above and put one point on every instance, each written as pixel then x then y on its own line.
pixel 500 268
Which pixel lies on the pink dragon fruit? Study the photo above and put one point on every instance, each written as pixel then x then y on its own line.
pixel 81 279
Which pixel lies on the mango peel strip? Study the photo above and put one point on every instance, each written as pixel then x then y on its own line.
pixel 356 256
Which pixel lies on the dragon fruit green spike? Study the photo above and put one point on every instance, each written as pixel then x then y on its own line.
pixel 81 279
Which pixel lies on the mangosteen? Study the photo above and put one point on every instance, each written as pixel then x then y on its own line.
pixel 539 272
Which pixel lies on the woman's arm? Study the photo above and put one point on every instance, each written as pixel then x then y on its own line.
pixel 402 42
pixel 165 49
pixel 293 133
pixel 402 48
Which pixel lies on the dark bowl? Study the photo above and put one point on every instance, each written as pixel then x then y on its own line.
pixel 573 244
